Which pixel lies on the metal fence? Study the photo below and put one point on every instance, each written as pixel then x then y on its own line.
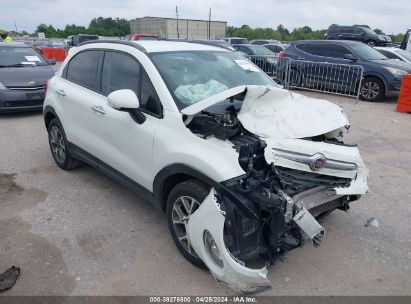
pixel 340 79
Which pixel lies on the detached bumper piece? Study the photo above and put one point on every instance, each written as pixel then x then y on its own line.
pixel 210 231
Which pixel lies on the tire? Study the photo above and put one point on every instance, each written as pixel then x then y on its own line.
pixel 372 43
pixel 59 147
pixel 372 89
pixel 194 193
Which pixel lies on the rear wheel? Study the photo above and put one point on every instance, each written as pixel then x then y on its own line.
pixel 182 202
pixel 59 147
pixel 372 89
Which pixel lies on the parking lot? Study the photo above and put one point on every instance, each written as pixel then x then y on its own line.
pixel 80 233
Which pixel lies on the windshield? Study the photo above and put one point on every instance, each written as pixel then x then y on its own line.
pixel 58 44
pixel 366 52
pixel 368 31
pixel 259 50
pixel 192 76
pixel 20 56
pixel 405 54
pixel 147 38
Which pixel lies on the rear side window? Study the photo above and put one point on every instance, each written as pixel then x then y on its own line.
pixel 312 49
pixel 337 51
pixel 120 71
pixel 83 69
pixel 346 30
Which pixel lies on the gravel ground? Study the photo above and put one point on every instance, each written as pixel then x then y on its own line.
pixel 81 233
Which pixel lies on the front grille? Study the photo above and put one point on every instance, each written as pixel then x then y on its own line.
pixel 24 103
pixel 298 181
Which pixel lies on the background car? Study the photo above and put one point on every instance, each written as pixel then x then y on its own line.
pixel 263 41
pixel 382 76
pixel 356 33
pixel 276 48
pixel 236 40
pixel 23 77
pixel 395 53
pixel 216 42
pixel 260 56
pixel 136 37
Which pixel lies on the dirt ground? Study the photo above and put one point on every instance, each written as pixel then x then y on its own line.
pixel 81 233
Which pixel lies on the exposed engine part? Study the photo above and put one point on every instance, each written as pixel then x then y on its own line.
pixel 311 229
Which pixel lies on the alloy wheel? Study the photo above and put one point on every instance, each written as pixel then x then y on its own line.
pixel 370 90
pixel 183 208
pixel 57 144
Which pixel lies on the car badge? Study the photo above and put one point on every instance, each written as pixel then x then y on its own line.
pixel 31 83
pixel 317 161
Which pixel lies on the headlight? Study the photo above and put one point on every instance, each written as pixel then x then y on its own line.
pixel 395 72
pixel 212 249
pixel 381 37
pixel 2 87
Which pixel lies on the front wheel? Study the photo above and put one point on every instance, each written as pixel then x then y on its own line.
pixel 182 202
pixel 371 43
pixel 59 147
pixel 372 89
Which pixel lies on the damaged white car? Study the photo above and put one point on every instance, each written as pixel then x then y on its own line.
pixel 242 168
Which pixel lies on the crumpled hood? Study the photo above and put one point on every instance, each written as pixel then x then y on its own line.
pixel 270 112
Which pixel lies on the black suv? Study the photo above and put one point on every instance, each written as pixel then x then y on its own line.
pixel 356 33
pixel 382 76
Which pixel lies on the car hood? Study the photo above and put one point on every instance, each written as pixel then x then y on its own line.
pixel 21 76
pixel 270 112
pixel 395 63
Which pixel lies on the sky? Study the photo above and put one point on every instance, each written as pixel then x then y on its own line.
pixel 392 17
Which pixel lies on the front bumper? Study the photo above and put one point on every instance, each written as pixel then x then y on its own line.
pixel 394 87
pixel 21 100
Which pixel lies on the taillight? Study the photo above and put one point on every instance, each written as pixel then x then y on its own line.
pixel 282 55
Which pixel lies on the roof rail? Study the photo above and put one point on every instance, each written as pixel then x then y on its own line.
pixel 129 43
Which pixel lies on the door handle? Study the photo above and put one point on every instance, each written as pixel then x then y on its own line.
pixel 61 92
pixel 98 109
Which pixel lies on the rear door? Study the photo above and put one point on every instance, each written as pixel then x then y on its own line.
pixel 76 93
pixel 346 33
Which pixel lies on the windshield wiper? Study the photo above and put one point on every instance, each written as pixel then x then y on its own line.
pixel 17 65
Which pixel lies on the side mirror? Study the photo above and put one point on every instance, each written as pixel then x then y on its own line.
pixel 350 57
pixel 52 61
pixel 126 100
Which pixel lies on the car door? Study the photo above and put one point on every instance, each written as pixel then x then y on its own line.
pixel 121 143
pixel 341 75
pixel 77 91
pixel 346 33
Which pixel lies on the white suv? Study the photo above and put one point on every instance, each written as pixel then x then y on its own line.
pixel 241 167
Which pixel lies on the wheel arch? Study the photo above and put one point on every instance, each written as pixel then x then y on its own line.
pixel 171 176
pixel 49 114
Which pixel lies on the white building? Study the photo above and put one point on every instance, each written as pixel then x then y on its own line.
pixel 187 28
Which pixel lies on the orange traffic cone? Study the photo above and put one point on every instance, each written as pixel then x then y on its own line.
pixel 404 101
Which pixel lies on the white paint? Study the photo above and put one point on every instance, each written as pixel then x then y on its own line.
pixel 271 112
pixel 209 217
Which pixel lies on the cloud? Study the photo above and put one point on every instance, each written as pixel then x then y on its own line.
pixel 391 17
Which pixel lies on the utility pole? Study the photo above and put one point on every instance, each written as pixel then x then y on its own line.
pixel 178 34
pixel 15 26
pixel 209 24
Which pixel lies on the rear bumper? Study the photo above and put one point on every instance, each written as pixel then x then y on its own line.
pixel 21 100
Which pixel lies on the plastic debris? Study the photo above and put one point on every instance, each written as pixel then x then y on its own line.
pixel 372 222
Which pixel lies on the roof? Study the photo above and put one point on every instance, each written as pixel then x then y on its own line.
pixel 14 44
pixel 148 46
pixel 327 41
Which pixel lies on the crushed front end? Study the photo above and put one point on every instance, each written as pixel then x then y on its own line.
pixel 288 185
